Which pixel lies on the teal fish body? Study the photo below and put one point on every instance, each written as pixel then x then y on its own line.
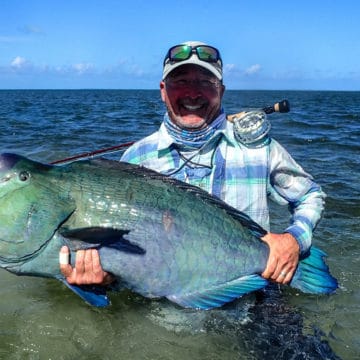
pixel 158 236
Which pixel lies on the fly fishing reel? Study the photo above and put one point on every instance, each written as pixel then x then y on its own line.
pixel 251 127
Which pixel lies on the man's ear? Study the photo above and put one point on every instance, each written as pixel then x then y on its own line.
pixel 162 90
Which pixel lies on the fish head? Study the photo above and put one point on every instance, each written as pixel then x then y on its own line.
pixel 32 207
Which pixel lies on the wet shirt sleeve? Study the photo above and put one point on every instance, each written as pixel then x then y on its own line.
pixel 290 184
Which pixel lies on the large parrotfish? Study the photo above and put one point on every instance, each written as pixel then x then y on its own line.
pixel 159 237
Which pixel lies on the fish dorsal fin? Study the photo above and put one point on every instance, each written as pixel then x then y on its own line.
pixel 221 294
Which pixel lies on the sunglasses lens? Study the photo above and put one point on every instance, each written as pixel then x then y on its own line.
pixel 180 53
pixel 184 52
pixel 207 53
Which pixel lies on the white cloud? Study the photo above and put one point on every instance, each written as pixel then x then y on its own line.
pixel 19 63
pixel 82 68
pixel 231 70
pixel 125 67
pixel 253 69
pixel 234 70
pixel 229 67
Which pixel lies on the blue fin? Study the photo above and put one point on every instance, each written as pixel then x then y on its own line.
pixel 93 295
pixel 313 276
pixel 97 236
pixel 220 294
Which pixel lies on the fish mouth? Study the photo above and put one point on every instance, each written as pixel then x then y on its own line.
pixel 11 242
pixel 26 255
pixel 24 258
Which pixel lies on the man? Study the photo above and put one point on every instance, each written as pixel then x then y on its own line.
pixel 196 144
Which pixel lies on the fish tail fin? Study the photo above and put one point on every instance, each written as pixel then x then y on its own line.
pixel 313 276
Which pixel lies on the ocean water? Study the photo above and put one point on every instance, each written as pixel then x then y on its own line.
pixel 42 319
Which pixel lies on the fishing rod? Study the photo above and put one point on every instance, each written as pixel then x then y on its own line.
pixel 281 107
pixel 86 155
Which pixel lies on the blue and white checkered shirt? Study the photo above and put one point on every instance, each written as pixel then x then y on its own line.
pixel 241 176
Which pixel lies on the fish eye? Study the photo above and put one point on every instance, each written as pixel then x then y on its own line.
pixel 24 176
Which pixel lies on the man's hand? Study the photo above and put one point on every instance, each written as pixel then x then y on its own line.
pixel 283 257
pixel 87 270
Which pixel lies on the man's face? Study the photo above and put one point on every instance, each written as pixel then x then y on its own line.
pixel 192 96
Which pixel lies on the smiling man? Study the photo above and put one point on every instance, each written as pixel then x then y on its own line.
pixel 196 144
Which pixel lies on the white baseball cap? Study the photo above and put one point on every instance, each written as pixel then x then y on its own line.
pixel 196 53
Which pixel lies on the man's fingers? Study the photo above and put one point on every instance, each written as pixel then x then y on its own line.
pixel 283 277
pixel 81 257
pixel 288 277
pixel 283 257
pixel 270 268
pixel 87 263
pixel 95 258
pixel 64 258
pixel 96 264
pixel 87 268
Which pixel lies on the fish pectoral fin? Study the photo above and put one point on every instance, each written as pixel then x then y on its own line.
pixel 220 294
pixel 97 236
pixel 93 295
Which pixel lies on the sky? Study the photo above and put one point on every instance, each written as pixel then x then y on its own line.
pixel 120 44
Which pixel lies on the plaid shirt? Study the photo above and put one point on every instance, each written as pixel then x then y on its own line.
pixel 241 176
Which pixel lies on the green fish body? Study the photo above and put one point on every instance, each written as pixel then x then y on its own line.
pixel 158 236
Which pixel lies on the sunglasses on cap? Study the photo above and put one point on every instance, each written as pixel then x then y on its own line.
pixel 205 53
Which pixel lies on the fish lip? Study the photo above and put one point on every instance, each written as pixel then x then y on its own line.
pixel 27 257
pixel 23 259
pixel 11 242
